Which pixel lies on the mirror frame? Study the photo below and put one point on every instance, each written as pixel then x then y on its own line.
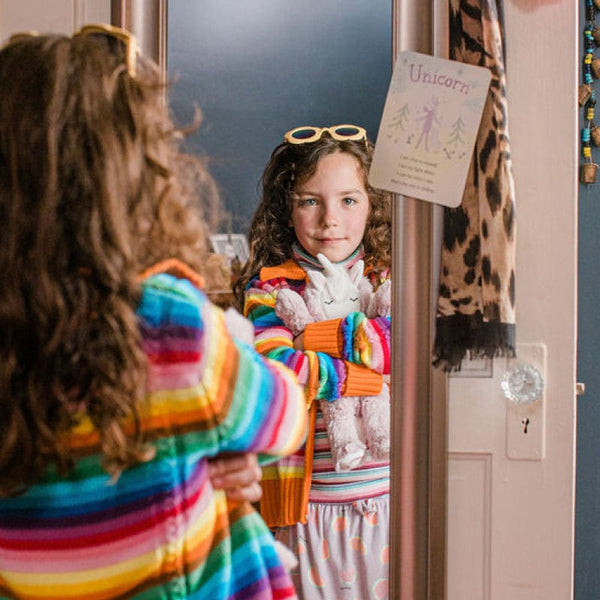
pixel 419 461
pixel 419 472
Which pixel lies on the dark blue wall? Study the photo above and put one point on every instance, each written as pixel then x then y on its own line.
pixel 260 68
pixel 587 513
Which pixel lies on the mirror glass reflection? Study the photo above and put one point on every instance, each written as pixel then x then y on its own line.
pixel 257 69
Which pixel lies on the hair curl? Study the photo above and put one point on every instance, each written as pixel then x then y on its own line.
pixel 271 236
pixel 93 189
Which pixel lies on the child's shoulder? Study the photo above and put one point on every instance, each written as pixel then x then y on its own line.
pixel 172 300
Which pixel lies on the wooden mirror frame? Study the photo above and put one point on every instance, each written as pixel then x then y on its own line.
pixel 419 393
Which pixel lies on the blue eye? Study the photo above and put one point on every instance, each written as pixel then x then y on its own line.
pixel 349 201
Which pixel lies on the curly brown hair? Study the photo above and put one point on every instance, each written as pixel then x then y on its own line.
pixel 271 236
pixel 93 189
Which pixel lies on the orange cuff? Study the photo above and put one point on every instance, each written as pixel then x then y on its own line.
pixel 285 501
pixel 324 336
pixel 361 381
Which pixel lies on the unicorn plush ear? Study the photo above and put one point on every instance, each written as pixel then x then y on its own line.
pixel 356 272
pixel 328 266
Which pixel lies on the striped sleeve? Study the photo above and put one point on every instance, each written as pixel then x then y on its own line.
pixel 253 404
pixel 160 530
pixel 323 374
pixel 355 338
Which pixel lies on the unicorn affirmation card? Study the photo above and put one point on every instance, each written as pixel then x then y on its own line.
pixel 429 126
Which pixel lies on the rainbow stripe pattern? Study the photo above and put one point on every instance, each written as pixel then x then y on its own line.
pixel 364 342
pixel 362 356
pixel 161 531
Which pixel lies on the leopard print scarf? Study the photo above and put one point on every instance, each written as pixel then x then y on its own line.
pixel 476 306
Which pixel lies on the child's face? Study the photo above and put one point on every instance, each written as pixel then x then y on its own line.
pixel 330 210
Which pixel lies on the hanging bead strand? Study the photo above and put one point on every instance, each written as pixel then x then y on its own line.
pixel 591 71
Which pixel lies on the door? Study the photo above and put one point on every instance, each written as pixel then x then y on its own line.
pixel 511 467
pixel 56 16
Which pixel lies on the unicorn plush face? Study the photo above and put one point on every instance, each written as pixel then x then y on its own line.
pixel 338 287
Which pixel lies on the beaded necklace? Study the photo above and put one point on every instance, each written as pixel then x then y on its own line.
pixel 590 134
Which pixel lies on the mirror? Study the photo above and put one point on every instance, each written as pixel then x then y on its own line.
pixel 257 69
pixel 260 68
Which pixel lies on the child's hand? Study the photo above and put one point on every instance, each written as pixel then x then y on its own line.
pixel 238 475
pixel 299 342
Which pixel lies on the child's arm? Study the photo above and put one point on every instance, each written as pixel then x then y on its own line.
pixel 227 394
pixel 355 338
pixel 360 337
pixel 323 375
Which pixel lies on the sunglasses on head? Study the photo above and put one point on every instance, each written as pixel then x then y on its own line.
pixel 116 39
pixel 308 134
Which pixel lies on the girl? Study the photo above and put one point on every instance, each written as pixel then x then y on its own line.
pixel 116 389
pixel 316 199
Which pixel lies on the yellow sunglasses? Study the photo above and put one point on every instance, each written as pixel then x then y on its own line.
pixel 308 134
pixel 109 34
pixel 113 34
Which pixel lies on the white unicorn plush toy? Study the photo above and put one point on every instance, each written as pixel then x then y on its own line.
pixel 357 426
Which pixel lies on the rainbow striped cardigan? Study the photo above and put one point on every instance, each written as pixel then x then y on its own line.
pixel 342 357
pixel 160 530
